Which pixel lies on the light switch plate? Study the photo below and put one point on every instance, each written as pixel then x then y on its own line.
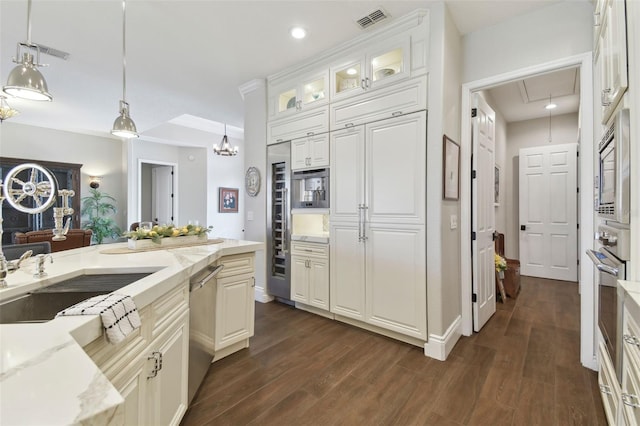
pixel 249 215
pixel 453 221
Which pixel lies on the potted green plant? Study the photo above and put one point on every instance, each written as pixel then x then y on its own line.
pixel 98 210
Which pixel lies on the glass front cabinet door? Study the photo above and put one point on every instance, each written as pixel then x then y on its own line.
pixel 306 94
pixel 387 63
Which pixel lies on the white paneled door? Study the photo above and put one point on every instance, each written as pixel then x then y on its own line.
pixel 162 190
pixel 483 216
pixel 548 212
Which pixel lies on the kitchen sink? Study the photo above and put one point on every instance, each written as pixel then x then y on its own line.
pixel 42 305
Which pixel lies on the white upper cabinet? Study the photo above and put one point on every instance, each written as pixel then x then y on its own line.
pixel 293 97
pixel 310 152
pixel 382 64
pixel 611 55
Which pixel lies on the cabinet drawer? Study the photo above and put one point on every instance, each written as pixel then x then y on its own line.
pixel 609 386
pixel 395 100
pixel 236 264
pixel 111 359
pixel 168 307
pixel 300 125
pixel 630 394
pixel 309 249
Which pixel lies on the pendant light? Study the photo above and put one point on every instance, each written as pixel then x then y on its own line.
pixel 5 110
pixel 25 81
pixel 224 148
pixel 123 125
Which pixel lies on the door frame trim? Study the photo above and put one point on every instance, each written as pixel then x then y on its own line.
pixel 586 175
pixel 175 186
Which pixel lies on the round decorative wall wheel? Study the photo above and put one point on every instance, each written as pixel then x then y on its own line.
pixel 30 196
pixel 252 181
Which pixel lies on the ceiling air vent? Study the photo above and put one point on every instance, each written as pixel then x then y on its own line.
pixel 372 18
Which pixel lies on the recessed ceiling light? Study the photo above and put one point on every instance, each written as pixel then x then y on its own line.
pixel 352 71
pixel 550 106
pixel 298 32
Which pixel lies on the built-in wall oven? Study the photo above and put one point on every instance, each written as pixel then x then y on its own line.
pixel 613 164
pixel 610 260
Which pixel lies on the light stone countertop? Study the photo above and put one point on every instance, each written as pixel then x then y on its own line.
pixel 631 290
pixel 45 375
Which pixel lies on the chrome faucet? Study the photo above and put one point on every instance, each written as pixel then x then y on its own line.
pixel 7 267
pixel 40 259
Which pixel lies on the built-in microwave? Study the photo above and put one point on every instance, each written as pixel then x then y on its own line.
pixel 310 189
pixel 613 163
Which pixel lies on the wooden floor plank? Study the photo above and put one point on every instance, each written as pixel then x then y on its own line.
pixel 522 368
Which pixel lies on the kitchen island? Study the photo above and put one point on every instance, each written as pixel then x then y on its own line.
pixel 47 374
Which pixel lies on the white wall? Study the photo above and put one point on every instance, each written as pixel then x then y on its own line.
pixel 444 291
pixel 557 31
pixel 255 136
pixel 227 172
pixel 192 187
pixel 99 156
pixel 527 134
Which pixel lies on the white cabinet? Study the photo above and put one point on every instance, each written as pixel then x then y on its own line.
pixel 305 93
pixel 380 65
pixel 611 56
pixel 151 373
pixel 378 189
pixel 310 274
pixel 609 386
pixel 392 101
pixel 310 152
pixel 167 384
pixel 234 304
pixel 303 125
pixel 630 392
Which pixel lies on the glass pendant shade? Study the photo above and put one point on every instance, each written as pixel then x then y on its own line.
pixel 5 110
pixel 26 82
pixel 123 126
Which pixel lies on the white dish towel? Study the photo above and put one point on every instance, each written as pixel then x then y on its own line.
pixel 118 313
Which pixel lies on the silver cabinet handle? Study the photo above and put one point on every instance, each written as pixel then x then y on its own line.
pixel 630 400
pixel 368 82
pixel 157 363
pixel 348 125
pixel 397 113
pixel 360 222
pixel 299 105
pixel 310 133
pixel 631 340
pixel 253 282
pixel 205 280
pixel 285 219
pixel 605 389
pixel 364 219
pixel 596 19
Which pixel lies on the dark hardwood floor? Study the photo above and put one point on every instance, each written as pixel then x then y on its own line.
pixel 523 368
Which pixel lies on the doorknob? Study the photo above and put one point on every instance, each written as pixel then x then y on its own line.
pixel 523 227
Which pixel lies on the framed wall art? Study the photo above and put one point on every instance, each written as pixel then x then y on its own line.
pixel 228 200
pixel 450 169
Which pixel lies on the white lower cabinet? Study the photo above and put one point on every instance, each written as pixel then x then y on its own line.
pixel 167 387
pixel 609 386
pixel 234 310
pixel 150 367
pixel 310 274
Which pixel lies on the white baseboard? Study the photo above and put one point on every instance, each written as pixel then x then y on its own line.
pixel 439 347
pixel 261 295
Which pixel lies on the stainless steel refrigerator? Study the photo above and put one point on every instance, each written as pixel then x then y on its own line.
pixel 279 221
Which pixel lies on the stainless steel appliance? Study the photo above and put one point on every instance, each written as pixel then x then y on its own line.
pixel 613 161
pixel 310 189
pixel 610 261
pixel 279 221
pixel 201 325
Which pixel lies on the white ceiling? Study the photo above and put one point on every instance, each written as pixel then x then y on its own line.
pixel 186 59
pixel 526 99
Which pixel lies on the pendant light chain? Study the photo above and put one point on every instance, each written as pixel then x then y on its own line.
pixel 124 50
pixel 29 22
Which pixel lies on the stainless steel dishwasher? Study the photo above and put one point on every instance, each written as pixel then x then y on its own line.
pixel 201 323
